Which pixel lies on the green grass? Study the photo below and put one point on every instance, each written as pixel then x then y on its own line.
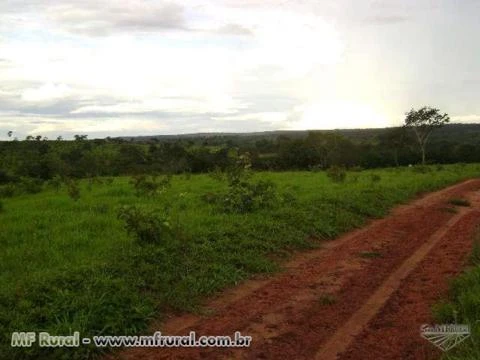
pixel 327 299
pixel 463 307
pixel 70 266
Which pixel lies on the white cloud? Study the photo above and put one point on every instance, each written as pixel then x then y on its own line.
pixel 46 93
pixel 472 118
pixel 336 115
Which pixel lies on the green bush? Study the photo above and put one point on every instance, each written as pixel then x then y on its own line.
pixel 150 185
pixel 7 191
pixel 421 169
pixel 145 226
pixel 30 185
pixel 246 197
pixel 55 182
pixel 337 174
pixel 73 189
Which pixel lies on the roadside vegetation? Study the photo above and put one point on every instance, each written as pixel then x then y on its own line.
pixel 105 255
pixel 463 307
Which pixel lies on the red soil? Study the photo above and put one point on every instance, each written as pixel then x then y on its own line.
pixel 338 303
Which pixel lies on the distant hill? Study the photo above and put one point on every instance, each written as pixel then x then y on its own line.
pixel 465 133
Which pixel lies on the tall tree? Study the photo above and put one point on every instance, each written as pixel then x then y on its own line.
pixel 423 121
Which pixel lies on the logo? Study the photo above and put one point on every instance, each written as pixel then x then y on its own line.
pixel 446 336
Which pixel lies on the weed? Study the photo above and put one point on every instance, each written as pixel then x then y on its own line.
pixel 370 254
pixel 327 299
pixel 374 178
pixel 337 173
pixel 459 202
pixel 475 256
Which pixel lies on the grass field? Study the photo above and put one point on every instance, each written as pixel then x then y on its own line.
pixel 70 265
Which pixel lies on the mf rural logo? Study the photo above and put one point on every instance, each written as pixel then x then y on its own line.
pixel 445 337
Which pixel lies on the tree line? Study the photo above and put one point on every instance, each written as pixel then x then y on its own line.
pixel 39 157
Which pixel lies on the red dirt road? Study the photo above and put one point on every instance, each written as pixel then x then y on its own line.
pixel 362 296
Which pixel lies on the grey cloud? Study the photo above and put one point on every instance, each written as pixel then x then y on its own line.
pixel 234 29
pixel 385 19
pixel 94 19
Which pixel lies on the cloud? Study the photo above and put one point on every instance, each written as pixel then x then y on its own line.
pixel 46 93
pixel 234 29
pixel 385 19
pixel 472 118
pixel 102 18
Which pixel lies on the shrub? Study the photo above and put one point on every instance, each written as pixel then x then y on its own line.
pixel 146 227
pixel 56 182
pixel 7 191
pixel 30 185
pixel 239 169
pixel 337 173
pixel 421 169
pixel 4 177
pixel 315 168
pixel 210 197
pixel 245 197
pixel 356 168
pixel 150 185
pixel 73 189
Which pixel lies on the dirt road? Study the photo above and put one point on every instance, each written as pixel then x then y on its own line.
pixel 361 296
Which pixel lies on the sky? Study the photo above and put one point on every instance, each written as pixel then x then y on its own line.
pixel 150 67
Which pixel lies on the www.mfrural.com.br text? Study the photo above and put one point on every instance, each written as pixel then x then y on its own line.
pixel 44 339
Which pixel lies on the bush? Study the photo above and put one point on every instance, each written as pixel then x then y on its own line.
pixel 421 169
pixel 356 168
pixel 109 180
pixel 56 182
pixel 146 227
pixel 30 185
pixel 217 174
pixel 210 197
pixel 7 191
pixel 246 197
pixel 150 185
pixel 337 173
pixel 4 177
pixel 73 189
pixel 315 168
